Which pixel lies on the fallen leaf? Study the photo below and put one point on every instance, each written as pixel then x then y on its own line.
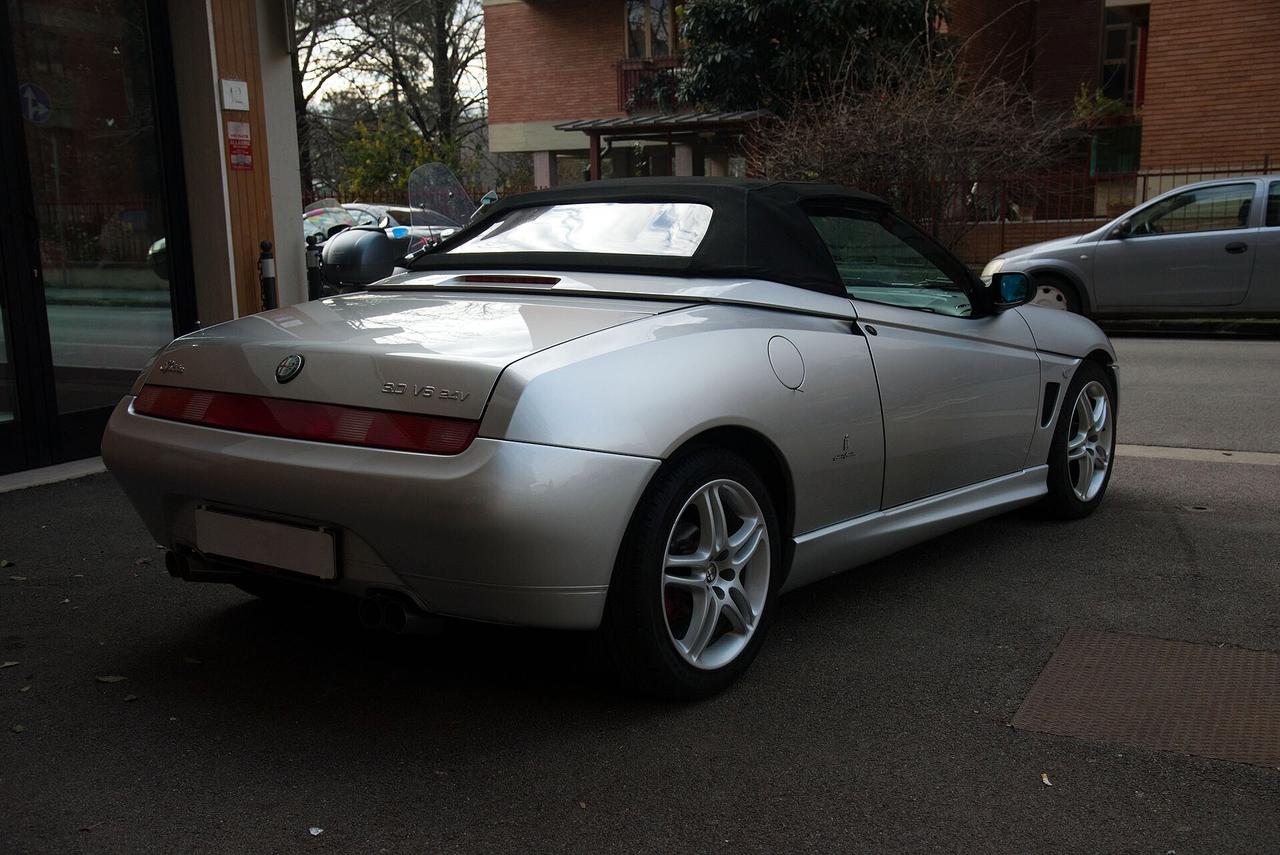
pixel 67 600
pixel 128 698
pixel 17 578
pixel 1044 779
pixel 25 688
pixel 315 832
pixel 18 728
pixel 191 660
pixel 141 561
pixel 7 664
pixel 5 562
pixel 582 805
pixel 77 575
pixel 112 678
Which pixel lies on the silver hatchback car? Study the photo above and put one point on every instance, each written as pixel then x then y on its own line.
pixel 1211 248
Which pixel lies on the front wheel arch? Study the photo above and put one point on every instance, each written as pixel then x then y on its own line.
pixel 1065 281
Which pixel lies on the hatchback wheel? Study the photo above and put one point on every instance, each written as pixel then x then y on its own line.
pixel 695 582
pixel 1054 293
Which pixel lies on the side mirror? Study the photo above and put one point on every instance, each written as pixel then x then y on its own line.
pixel 1009 290
pixel 1123 229
pixel 485 201
pixel 333 230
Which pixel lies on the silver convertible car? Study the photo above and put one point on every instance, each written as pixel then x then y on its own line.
pixel 646 407
pixel 1206 249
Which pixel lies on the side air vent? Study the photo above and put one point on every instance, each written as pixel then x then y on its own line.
pixel 1050 404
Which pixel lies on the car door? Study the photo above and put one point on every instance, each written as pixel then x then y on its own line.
pixel 958 389
pixel 1183 251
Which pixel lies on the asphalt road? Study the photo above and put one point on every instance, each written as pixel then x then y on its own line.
pixel 875 720
pixel 1200 393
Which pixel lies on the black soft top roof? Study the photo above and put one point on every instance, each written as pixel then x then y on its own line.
pixel 758 230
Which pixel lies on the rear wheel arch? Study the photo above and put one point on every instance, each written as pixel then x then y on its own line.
pixel 764 457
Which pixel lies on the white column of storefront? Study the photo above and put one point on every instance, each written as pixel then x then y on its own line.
pixel 204 144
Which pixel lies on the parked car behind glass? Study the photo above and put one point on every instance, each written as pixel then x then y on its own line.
pixel 1211 248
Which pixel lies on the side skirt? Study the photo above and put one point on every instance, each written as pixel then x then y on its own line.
pixel 836 548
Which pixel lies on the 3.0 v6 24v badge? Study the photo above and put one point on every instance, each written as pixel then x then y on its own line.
pixel 417 391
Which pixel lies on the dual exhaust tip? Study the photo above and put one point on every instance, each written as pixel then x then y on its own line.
pixel 388 614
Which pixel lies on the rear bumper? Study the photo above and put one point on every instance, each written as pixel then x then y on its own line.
pixel 508 532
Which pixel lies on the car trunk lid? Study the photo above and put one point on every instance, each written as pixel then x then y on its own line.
pixel 420 353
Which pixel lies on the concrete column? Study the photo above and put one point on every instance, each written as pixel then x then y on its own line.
pixel 282 152
pixel 683 160
pixel 545 173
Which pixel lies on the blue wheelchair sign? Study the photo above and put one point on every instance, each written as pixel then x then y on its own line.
pixel 37 106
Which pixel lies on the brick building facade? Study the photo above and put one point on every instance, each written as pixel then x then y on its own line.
pixel 1191 81
pixel 1212 75
pixel 593 64
pixel 1196 77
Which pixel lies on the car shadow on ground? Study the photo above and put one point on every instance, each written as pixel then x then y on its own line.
pixel 254 661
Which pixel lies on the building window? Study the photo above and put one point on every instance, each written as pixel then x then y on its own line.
pixel 650 25
pixel 1122 53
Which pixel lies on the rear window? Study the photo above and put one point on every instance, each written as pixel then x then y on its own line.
pixel 622 228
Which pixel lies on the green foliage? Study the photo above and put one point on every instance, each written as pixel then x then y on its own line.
pixel 1092 105
pixel 377 161
pixel 744 54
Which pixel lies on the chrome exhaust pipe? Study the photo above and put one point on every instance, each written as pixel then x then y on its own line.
pixel 396 616
pixel 369 612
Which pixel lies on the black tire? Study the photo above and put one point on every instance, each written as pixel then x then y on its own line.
pixel 1070 296
pixel 640 646
pixel 1062 501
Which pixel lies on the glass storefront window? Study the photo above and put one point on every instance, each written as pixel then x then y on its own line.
pixel 88 107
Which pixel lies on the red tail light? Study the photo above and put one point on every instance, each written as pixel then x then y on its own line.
pixel 305 420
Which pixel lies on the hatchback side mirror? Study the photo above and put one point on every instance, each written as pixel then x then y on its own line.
pixel 1123 229
pixel 1009 290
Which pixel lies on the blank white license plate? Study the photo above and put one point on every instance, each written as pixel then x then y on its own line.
pixel 310 551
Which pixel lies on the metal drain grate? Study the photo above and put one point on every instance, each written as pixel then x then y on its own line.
pixel 1221 702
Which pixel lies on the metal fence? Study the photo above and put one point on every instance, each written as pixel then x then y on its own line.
pixel 98 232
pixel 979 219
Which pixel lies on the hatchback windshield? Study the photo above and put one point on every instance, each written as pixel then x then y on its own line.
pixel 622 228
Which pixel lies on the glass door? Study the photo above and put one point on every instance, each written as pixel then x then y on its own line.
pixel 87 98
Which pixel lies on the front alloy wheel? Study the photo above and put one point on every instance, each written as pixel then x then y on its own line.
pixel 1082 454
pixel 1090 446
pixel 693 589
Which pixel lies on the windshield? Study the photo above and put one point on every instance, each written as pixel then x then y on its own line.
pixel 620 228
pixel 319 217
pixel 421 217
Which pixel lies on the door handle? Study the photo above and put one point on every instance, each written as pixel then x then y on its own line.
pixel 1236 247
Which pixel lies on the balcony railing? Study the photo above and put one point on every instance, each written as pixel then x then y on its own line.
pixel 647 84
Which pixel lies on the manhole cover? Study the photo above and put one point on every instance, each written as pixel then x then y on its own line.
pixel 1221 702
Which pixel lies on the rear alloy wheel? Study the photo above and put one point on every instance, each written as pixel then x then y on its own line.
pixel 694 587
pixel 1084 444
pixel 1053 293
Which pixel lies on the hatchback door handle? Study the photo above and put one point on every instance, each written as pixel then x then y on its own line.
pixel 1237 246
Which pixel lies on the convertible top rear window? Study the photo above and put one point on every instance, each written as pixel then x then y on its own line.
pixel 620 228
